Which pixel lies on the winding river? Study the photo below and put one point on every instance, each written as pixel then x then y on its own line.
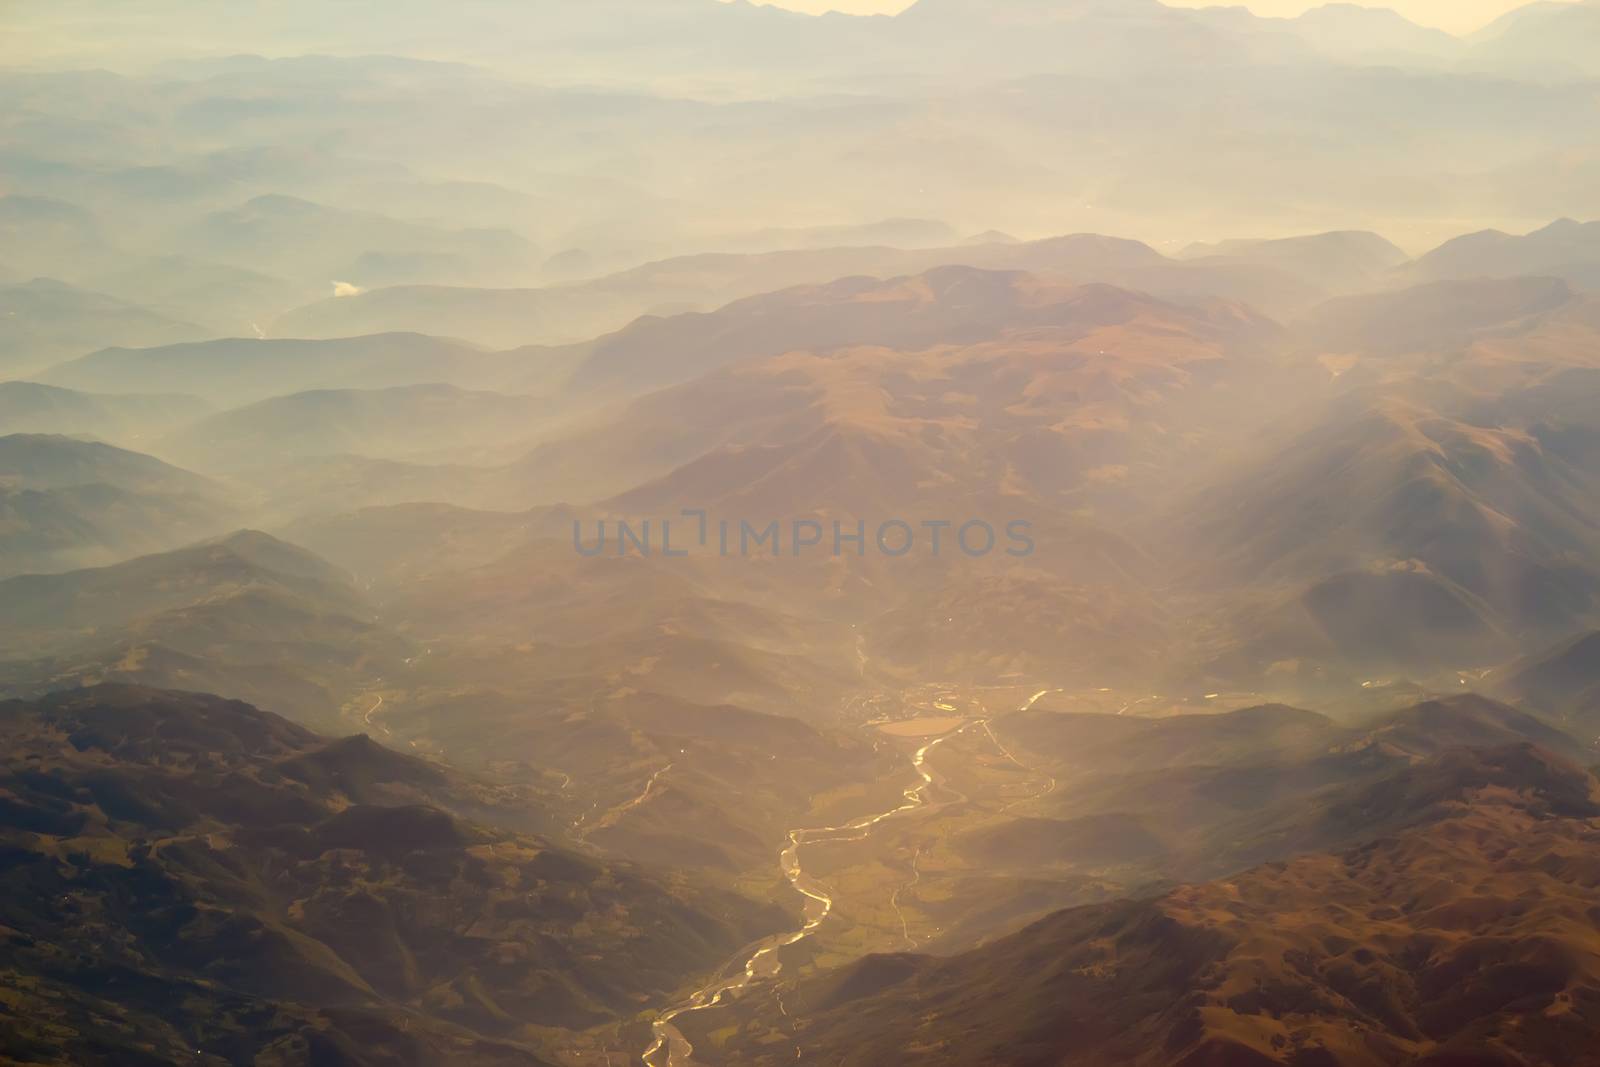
pixel 671 1048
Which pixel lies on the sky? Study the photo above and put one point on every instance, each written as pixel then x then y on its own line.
pixel 1457 16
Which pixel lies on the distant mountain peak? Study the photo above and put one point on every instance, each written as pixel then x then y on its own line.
pixel 1024 10
pixel 1369 12
pixel 1562 227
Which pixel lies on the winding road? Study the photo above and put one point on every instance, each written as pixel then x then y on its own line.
pixel 367 718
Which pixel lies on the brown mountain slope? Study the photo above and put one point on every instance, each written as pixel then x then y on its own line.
pixel 943 381
pixel 1399 534
pixel 1469 940
pixel 1561 681
pixel 196 881
pixel 1434 513
pixel 945 305
pixel 245 615
pixel 1215 793
pixel 1141 804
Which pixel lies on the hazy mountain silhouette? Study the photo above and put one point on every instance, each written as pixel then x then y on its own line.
pixel 71 503
pixel 47 321
pixel 1564 249
pixel 27 407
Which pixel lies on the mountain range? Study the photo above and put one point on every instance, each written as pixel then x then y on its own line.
pixel 303 897
pixel 683 533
